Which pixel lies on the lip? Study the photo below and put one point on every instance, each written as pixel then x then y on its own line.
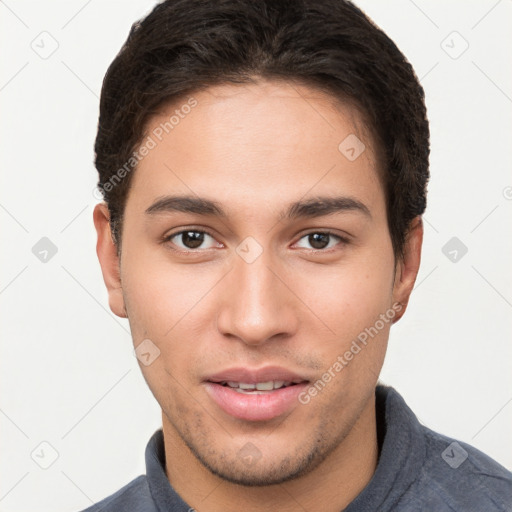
pixel 263 406
pixel 252 376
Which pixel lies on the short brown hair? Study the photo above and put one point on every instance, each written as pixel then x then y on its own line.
pixel 184 46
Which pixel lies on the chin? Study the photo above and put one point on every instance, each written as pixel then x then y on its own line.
pixel 263 470
pixel 265 475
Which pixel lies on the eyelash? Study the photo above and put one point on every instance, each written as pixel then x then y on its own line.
pixel 342 240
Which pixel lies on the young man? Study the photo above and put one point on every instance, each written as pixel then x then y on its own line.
pixel 264 168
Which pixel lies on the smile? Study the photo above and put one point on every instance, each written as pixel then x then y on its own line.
pixel 243 387
pixel 255 395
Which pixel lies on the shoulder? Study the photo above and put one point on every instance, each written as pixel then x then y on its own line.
pixel 456 476
pixel 134 496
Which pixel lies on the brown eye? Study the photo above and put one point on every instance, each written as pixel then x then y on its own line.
pixel 191 239
pixel 320 240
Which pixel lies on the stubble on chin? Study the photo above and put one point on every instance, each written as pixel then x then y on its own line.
pixel 231 463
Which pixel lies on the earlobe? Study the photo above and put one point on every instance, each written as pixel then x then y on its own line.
pixel 106 250
pixel 408 267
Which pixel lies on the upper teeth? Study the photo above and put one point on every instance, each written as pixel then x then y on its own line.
pixel 260 386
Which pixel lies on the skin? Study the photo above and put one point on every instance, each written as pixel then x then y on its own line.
pixel 254 149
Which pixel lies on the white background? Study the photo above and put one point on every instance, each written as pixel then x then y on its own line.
pixel 68 373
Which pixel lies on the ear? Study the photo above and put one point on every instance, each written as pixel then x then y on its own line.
pixel 407 267
pixel 106 250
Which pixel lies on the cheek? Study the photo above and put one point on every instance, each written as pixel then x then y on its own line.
pixel 349 297
pixel 350 300
pixel 159 295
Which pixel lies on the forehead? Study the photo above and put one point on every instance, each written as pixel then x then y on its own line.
pixel 266 139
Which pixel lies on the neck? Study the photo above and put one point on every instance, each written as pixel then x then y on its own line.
pixel 331 486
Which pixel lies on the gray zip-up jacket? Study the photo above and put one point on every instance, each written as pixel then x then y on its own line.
pixel 418 470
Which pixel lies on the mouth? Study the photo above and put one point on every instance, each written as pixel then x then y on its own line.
pixel 255 395
pixel 258 388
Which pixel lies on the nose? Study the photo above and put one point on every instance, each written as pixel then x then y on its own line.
pixel 256 304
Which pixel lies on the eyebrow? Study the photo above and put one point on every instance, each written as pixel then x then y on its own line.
pixel 308 208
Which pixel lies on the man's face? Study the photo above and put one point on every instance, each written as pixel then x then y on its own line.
pixel 257 295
